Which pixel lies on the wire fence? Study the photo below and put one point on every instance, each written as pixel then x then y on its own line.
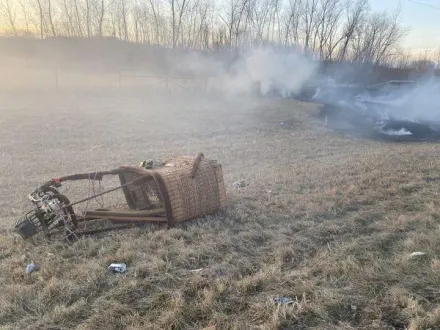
pixel 169 83
pixel 61 80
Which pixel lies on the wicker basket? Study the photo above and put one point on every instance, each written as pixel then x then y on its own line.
pixel 145 196
pixel 186 187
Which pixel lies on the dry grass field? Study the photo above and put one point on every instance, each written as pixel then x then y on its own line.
pixel 326 219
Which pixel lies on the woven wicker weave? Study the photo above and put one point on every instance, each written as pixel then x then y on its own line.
pixel 187 187
pixel 193 197
pixel 141 197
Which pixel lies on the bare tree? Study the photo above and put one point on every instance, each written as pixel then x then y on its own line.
pixel 309 18
pixel 237 11
pixel 196 24
pixel 7 11
pixel 68 18
pixel 201 24
pixel 88 19
pixel 276 21
pixel 50 18
pixel 137 16
pixel 331 29
pixel 124 17
pixel 25 14
pixel 177 10
pixel 78 18
pixel 437 59
pixel 378 38
pixel 41 17
pixel 355 14
pixel 101 18
pixel 262 15
pixel 330 12
pixel 97 15
pixel 291 22
pixel 155 11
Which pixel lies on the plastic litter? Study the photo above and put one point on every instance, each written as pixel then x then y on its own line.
pixel 239 184
pixel 147 164
pixel 417 254
pixel 117 268
pixel 30 268
pixel 283 300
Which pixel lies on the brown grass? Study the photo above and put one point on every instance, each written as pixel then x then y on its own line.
pixel 325 219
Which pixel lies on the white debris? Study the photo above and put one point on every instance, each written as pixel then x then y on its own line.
pixel 196 270
pixel 30 268
pixel 239 184
pixel 283 300
pixel 117 268
pixel 417 254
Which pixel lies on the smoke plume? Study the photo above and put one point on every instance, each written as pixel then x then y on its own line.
pixel 237 73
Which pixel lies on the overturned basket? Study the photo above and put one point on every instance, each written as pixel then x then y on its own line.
pixel 186 188
pixel 183 188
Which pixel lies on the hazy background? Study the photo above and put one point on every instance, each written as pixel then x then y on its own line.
pixel 361 30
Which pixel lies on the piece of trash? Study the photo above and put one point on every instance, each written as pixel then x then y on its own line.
pixel 150 164
pixel 353 307
pixel 196 270
pixel 30 268
pixel 239 184
pixel 417 254
pixel 117 268
pixel 283 300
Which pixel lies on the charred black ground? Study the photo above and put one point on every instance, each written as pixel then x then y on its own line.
pixel 348 121
pixel 374 112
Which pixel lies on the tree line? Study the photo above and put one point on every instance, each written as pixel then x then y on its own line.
pixel 331 30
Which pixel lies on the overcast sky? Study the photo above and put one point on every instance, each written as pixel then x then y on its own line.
pixel 421 16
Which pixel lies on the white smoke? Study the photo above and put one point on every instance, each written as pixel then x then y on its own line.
pixel 234 74
pixel 401 132
pixel 420 103
pixel 288 71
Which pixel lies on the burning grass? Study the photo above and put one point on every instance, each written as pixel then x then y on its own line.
pixel 325 219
